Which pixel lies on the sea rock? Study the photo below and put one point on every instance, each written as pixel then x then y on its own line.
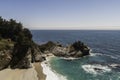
pixel 59 51
pixel 49 46
pixel 79 46
pixel 77 49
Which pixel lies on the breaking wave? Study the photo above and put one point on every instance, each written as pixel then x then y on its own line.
pixel 50 74
pixel 95 69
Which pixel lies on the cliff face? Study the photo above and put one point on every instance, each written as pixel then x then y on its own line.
pixel 6 48
pixel 17 48
pixel 5 58
pixel 19 56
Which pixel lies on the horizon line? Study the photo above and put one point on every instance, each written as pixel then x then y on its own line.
pixel 81 29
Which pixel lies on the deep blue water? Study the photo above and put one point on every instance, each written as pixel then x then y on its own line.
pixel 105 54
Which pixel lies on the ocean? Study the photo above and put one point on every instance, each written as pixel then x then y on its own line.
pixel 102 64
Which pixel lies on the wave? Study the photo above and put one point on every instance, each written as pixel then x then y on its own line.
pixel 111 56
pixel 96 68
pixel 115 67
pixel 108 55
pixel 69 59
pixel 50 74
pixel 102 54
pixel 94 54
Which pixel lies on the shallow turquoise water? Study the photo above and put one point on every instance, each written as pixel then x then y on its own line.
pixel 73 70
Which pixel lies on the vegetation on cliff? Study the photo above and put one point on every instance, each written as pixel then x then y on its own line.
pixel 18 41
pixel 13 30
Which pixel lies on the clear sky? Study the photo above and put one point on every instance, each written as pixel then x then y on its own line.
pixel 63 14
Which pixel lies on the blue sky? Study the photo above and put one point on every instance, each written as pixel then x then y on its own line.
pixel 63 14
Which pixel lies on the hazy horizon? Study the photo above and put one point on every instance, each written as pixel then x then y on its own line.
pixel 64 14
pixel 49 28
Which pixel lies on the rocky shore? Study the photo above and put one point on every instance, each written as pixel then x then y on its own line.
pixel 75 50
pixel 18 50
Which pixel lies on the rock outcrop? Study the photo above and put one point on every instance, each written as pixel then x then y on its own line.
pixel 18 56
pixel 77 49
pixel 17 49
pixel 6 48
pixel 37 55
pixel 5 58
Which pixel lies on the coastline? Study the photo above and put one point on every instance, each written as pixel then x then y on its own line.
pixel 51 74
pixel 34 73
pixel 39 70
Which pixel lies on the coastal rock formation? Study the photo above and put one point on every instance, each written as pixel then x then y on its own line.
pixel 24 58
pixel 17 49
pixel 80 48
pixel 77 49
pixel 21 60
pixel 36 54
pixel 6 48
pixel 5 58
pixel 49 46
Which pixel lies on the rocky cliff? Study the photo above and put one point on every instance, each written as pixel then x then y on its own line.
pixel 17 49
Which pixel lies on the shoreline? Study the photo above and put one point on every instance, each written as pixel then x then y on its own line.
pixel 39 70
pixel 33 73
pixel 47 70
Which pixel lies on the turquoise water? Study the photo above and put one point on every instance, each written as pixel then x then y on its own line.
pixel 73 70
pixel 104 62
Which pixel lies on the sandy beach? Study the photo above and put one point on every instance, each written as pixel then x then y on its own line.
pixel 18 74
pixel 39 70
pixel 34 73
pixel 47 70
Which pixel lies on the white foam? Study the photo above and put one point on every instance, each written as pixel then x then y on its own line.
pixel 92 54
pixel 114 65
pixel 96 54
pixel 69 58
pixel 50 74
pixel 96 69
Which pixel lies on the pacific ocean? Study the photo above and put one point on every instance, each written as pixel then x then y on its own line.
pixel 102 64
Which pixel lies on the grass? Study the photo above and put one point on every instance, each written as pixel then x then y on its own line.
pixel 6 44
